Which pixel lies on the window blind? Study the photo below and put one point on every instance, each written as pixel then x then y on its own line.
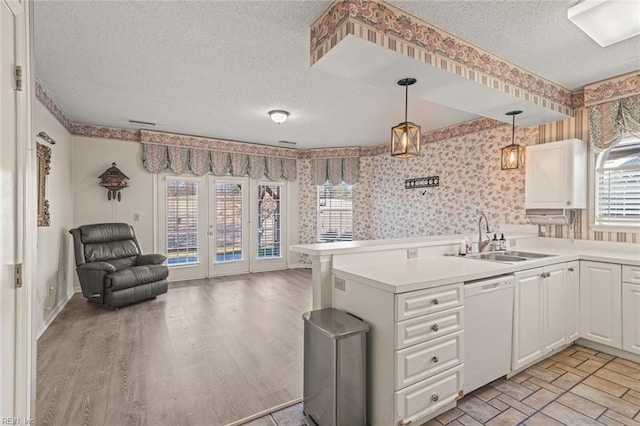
pixel 335 213
pixel 619 194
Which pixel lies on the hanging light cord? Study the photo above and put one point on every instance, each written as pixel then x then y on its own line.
pixel 513 130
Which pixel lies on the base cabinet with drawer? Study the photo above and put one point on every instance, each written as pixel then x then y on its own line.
pixel 415 349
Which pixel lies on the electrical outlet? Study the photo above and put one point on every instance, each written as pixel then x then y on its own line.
pixel 339 284
pixel 136 217
pixel 412 253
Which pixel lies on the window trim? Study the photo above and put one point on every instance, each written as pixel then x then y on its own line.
pixel 593 209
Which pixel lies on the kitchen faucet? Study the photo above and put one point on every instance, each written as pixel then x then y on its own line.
pixel 482 244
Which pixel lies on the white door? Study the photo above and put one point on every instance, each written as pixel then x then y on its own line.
pixel 268 226
pixel 631 317
pixel 15 334
pixel 229 218
pixel 182 218
pixel 554 307
pixel 601 303
pixel 527 315
pixel 573 301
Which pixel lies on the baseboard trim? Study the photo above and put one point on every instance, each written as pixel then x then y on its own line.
pixel 54 314
pixel 265 412
pixel 608 350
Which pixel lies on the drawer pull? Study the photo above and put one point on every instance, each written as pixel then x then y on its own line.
pixel 434 359
pixel 435 301
pixel 435 397
pixel 571 269
pixel 435 327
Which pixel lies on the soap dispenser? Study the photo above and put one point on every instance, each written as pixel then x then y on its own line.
pixel 503 242
pixel 495 244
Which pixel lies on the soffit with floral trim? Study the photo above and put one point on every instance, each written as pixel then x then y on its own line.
pixel 392 28
pixel 611 89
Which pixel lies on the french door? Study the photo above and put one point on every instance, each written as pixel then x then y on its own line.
pixel 228 227
pixel 211 226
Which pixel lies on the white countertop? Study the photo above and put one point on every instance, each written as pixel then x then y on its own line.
pixel 425 272
pixel 344 247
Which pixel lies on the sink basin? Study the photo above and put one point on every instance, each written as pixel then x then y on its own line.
pixel 508 256
pixel 526 254
pixel 499 257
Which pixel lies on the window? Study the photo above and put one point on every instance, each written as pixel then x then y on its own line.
pixel 617 189
pixel 335 213
pixel 269 221
pixel 182 222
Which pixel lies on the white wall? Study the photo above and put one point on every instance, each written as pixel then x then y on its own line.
pixel 90 158
pixel 54 282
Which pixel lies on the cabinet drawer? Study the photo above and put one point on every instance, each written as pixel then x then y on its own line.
pixel 416 402
pixel 631 274
pixel 421 329
pixel 421 361
pixel 423 302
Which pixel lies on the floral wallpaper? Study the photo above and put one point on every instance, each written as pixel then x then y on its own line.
pixel 471 182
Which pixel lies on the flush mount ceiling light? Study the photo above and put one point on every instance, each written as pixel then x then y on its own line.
pixel 607 21
pixel 405 137
pixel 279 115
pixel 513 155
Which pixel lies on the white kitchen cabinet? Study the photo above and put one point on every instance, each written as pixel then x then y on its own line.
pixel 600 302
pixel 527 318
pixel 415 349
pixel 631 308
pixel 540 313
pixel 556 175
pixel 573 301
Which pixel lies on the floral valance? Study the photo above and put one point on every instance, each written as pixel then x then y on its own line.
pixel 335 170
pixel 609 122
pixel 159 158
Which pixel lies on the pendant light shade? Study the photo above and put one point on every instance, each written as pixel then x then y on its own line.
pixel 405 137
pixel 513 155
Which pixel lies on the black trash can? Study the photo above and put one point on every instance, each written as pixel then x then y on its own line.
pixel 334 368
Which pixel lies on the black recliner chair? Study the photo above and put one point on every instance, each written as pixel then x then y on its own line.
pixel 111 268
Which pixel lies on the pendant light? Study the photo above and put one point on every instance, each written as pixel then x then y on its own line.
pixel 513 155
pixel 405 137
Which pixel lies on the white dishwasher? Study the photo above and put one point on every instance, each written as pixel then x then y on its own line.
pixel 488 319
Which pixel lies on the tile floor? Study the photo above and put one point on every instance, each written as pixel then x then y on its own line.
pixel 578 386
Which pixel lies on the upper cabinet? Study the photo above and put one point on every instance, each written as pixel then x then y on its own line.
pixel 556 175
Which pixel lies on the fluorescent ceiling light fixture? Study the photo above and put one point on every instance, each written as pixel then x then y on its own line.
pixel 278 115
pixel 607 21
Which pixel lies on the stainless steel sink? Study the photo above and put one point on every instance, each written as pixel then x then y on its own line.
pixel 499 257
pixel 508 256
pixel 527 254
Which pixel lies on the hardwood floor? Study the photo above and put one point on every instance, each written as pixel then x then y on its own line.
pixel 209 352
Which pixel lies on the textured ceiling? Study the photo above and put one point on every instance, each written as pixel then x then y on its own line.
pixel 215 68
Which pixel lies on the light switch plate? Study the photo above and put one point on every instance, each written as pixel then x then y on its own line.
pixel 339 284
pixel 412 253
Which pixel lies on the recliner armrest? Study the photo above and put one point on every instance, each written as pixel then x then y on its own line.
pixel 150 259
pixel 97 266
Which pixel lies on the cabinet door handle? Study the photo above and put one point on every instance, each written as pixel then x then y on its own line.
pixel 434 359
pixel 571 269
pixel 435 397
pixel 435 327
pixel 568 203
pixel 435 301
pixel 544 275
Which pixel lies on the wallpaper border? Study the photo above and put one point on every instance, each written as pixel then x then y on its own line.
pixel 393 28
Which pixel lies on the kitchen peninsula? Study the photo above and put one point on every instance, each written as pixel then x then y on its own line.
pixel 413 297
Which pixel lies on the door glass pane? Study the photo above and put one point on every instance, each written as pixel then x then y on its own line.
pixel 269 221
pixel 228 222
pixel 182 222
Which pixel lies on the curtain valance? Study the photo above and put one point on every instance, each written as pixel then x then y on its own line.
pixel 335 170
pixel 159 158
pixel 609 122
